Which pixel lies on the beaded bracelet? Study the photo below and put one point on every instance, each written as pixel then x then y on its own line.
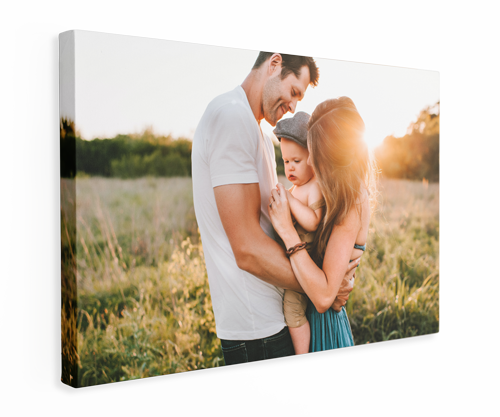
pixel 295 248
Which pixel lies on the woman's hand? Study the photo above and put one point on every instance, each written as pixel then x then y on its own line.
pixel 279 212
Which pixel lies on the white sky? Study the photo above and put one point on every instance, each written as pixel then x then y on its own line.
pixel 125 84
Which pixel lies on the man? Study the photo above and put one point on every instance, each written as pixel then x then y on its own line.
pixel 234 171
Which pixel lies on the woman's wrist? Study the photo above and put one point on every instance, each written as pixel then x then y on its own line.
pixel 296 248
pixel 291 239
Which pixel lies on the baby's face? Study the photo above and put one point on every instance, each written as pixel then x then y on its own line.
pixel 295 158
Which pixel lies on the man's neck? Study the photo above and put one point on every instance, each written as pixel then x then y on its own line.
pixel 253 87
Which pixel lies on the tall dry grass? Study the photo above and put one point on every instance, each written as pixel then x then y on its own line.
pixel 397 290
pixel 142 297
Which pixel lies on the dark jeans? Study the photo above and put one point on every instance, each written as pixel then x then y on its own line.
pixel 241 351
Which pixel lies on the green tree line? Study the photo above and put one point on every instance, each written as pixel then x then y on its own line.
pixel 124 156
pixel 128 156
pixel 414 156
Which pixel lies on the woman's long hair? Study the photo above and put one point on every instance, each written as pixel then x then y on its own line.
pixel 343 165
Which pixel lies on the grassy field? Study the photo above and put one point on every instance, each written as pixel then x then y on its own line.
pixel 143 303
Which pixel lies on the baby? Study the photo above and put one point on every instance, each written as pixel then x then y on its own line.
pixel 306 205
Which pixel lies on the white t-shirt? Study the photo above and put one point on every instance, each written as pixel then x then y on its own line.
pixel 229 148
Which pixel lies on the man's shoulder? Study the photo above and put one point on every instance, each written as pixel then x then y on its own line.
pixel 231 103
pixel 228 120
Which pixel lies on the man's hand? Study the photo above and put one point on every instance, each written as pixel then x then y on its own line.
pixel 347 286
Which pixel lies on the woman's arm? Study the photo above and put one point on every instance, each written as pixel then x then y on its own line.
pixel 321 286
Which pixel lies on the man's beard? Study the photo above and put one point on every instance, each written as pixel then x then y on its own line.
pixel 271 90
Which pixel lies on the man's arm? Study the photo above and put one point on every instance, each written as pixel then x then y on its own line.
pixel 255 252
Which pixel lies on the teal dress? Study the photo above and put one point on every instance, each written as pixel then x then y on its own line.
pixel 330 330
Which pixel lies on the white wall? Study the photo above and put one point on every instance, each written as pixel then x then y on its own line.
pixel 454 371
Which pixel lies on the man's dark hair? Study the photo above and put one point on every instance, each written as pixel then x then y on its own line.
pixel 291 64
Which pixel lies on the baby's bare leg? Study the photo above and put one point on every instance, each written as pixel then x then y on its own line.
pixel 301 337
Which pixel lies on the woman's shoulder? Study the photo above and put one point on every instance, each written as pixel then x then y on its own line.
pixel 364 204
pixel 363 197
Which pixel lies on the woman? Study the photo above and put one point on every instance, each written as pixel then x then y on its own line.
pixel 345 173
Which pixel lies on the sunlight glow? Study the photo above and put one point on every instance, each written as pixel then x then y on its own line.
pixel 129 83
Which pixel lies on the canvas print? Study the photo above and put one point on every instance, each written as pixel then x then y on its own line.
pixel 222 206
